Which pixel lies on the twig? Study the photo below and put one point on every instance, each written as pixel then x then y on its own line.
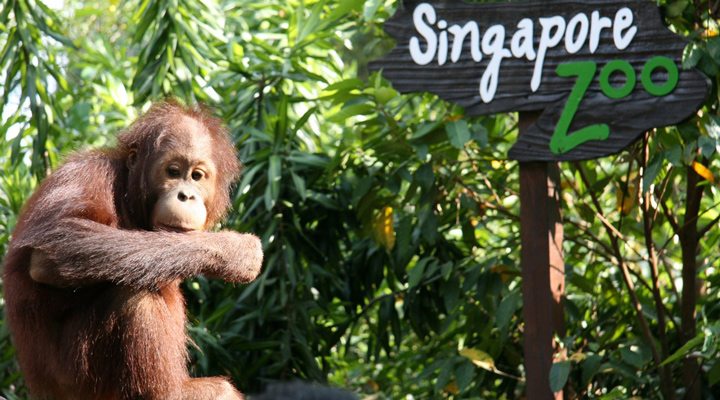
pixel 594 238
pixel 661 195
pixel 668 215
pixel 644 327
pixel 610 226
pixel 709 226
pixel 666 385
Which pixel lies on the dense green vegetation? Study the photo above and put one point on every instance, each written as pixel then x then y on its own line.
pixel 390 222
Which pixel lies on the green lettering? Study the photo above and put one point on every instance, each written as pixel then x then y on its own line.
pixel 630 79
pixel 562 142
pixel 672 79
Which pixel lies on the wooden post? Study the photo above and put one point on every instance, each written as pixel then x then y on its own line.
pixel 543 269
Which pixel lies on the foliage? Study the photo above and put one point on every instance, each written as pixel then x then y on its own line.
pixel 390 222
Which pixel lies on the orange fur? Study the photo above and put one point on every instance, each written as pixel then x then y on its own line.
pixel 112 324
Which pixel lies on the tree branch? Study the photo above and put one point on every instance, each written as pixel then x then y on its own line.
pixel 668 215
pixel 709 226
pixel 666 385
pixel 644 327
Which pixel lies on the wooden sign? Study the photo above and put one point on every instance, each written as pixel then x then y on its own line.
pixel 601 72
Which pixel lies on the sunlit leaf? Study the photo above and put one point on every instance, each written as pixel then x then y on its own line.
pixel 703 171
pixel 383 228
pixel 482 360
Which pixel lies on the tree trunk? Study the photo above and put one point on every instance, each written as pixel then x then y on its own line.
pixel 689 241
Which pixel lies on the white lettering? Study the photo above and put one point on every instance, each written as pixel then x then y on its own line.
pixel 424 12
pixel 547 41
pixel 492 43
pixel 459 35
pixel 574 40
pixel 623 21
pixel 598 24
pixel 443 47
pixel 522 41
pixel 434 35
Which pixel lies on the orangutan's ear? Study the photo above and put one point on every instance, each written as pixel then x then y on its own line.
pixel 132 157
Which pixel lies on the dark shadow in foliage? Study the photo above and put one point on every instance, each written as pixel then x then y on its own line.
pixel 302 391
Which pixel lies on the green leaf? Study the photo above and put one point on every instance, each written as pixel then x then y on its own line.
pixel 311 24
pixel 707 146
pixel 691 56
pixel 301 122
pixel 384 94
pixel 299 185
pixel 424 130
pixel 590 366
pixel 506 310
pixel 274 177
pixel 345 7
pixel 464 374
pixel 345 85
pixel 685 349
pixel 424 176
pixel 351 111
pixel 651 172
pixel 444 375
pixel 451 292
pixel 416 273
pixel 360 189
pixel 675 9
pixel 480 135
pixel 458 133
pixel 714 374
pixel 10 47
pixel 633 356
pixel 308 159
pixel 559 373
pixel 713 46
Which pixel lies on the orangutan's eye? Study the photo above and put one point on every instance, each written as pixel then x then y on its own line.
pixel 197 175
pixel 173 171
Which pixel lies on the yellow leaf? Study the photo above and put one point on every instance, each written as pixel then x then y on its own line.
pixel 627 200
pixel 479 358
pixel 383 228
pixel 452 388
pixel 710 33
pixel 502 270
pixel 703 171
pixel 374 386
pixel 483 360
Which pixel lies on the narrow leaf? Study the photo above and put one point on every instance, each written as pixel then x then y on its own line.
pixel 703 171
pixel 685 349
pixel 483 360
